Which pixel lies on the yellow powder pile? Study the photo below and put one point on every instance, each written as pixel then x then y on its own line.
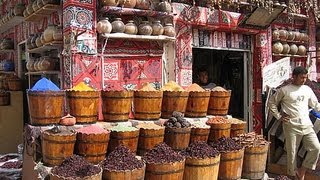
pixel 218 88
pixel 149 126
pixel 194 87
pixel 82 87
pixel 172 86
pixel 147 87
pixel 236 121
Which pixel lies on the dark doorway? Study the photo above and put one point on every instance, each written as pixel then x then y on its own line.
pixel 226 69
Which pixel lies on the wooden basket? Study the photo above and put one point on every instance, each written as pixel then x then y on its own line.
pixel 237 129
pixel 97 176
pixel 83 105
pixel 197 105
pixel 148 139
pixel 254 162
pixel 204 169
pixel 147 105
pixel 177 138
pixel 199 134
pixel 93 147
pixel 231 164
pixel 219 102
pixel 136 174
pixel 126 138
pixel 56 147
pixel 14 84
pixel 174 101
pixel 4 98
pixel 116 105
pixel 163 171
pixel 45 107
pixel 218 130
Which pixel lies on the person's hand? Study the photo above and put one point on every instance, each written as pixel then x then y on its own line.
pixel 284 117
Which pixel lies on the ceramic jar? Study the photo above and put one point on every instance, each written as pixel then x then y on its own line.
pixel 297 35
pixel 277 48
pixel 286 48
pixel 36 65
pixel 7 43
pixel 291 35
pixel 275 34
pixel 46 64
pixel 131 28
pixel 35 6
pixel 38 40
pixel 39 3
pixel 127 3
pixel 42 39
pixel 29 8
pixel 117 26
pixel 33 41
pixel 169 30
pixel 104 26
pixel 164 6
pixel 109 2
pixel 293 49
pixel 29 46
pixel 30 65
pixel 57 34
pixel 302 51
pixel 19 9
pixel 304 36
pixel 48 33
pixel 145 28
pixel 143 4
pixel 157 28
pixel 283 34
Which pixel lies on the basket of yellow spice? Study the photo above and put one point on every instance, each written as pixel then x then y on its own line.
pixel 175 98
pixel 198 101
pixel 83 103
pixel 147 103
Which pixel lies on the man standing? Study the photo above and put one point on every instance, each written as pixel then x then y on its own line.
pixel 295 100
pixel 204 81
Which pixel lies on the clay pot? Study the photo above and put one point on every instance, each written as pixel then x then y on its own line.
pixel 143 4
pixel 48 33
pixel 304 37
pixel 19 9
pixel 286 48
pixel 35 6
pixel 25 13
pixel 46 64
pixel 164 6
pixel 291 35
pixel 145 28
pixel 277 48
pixel 275 34
pixel 109 2
pixel 293 49
pixel 30 65
pixel 40 3
pixel 297 35
pixel 29 46
pixel 42 39
pixel 302 51
pixel 38 40
pixel 169 30
pixel 36 65
pixel 127 3
pixel 157 28
pixel 131 28
pixel 104 26
pixel 57 34
pixel 117 26
pixel 29 8
pixel 283 34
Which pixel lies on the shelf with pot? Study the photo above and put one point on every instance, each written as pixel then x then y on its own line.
pixel 7 72
pixel 138 37
pixel 15 20
pixel 42 12
pixel 291 42
pixel 289 55
pixel 47 47
pixel 42 72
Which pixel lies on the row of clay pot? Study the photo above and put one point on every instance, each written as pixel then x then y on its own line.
pixel 289 35
pixel 37 4
pixel 163 5
pixel 45 63
pixel 6 43
pixel 51 33
pixel 17 10
pixel 117 26
pixel 285 48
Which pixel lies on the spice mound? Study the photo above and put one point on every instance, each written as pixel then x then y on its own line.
pixel 200 124
pixel 199 150
pixel 122 128
pixel 194 87
pixel 217 120
pixel 45 84
pixel 92 129
pixel 226 145
pixel 177 121
pixel 162 153
pixel 75 167
pixel 147 87
pixel 218 88
pixel 172 86
pixel 82 87
pixel 251 140
pixel 121 159
pixel 148 126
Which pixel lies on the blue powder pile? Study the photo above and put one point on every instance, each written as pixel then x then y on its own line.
pixel 45 84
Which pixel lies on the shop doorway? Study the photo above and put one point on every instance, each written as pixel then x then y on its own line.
pixel 228 69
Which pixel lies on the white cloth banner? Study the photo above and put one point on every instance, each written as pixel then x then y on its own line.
pixel 274 74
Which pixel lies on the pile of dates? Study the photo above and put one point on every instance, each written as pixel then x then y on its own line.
pixel 177 121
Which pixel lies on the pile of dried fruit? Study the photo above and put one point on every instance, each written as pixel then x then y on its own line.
pixel 162 153
pixel 201 150
pixel 12 165
pixel 251 139
pixel 226 145
pixel 177 121
pixel 217 120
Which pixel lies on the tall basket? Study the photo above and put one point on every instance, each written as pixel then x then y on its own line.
pixel 219 103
